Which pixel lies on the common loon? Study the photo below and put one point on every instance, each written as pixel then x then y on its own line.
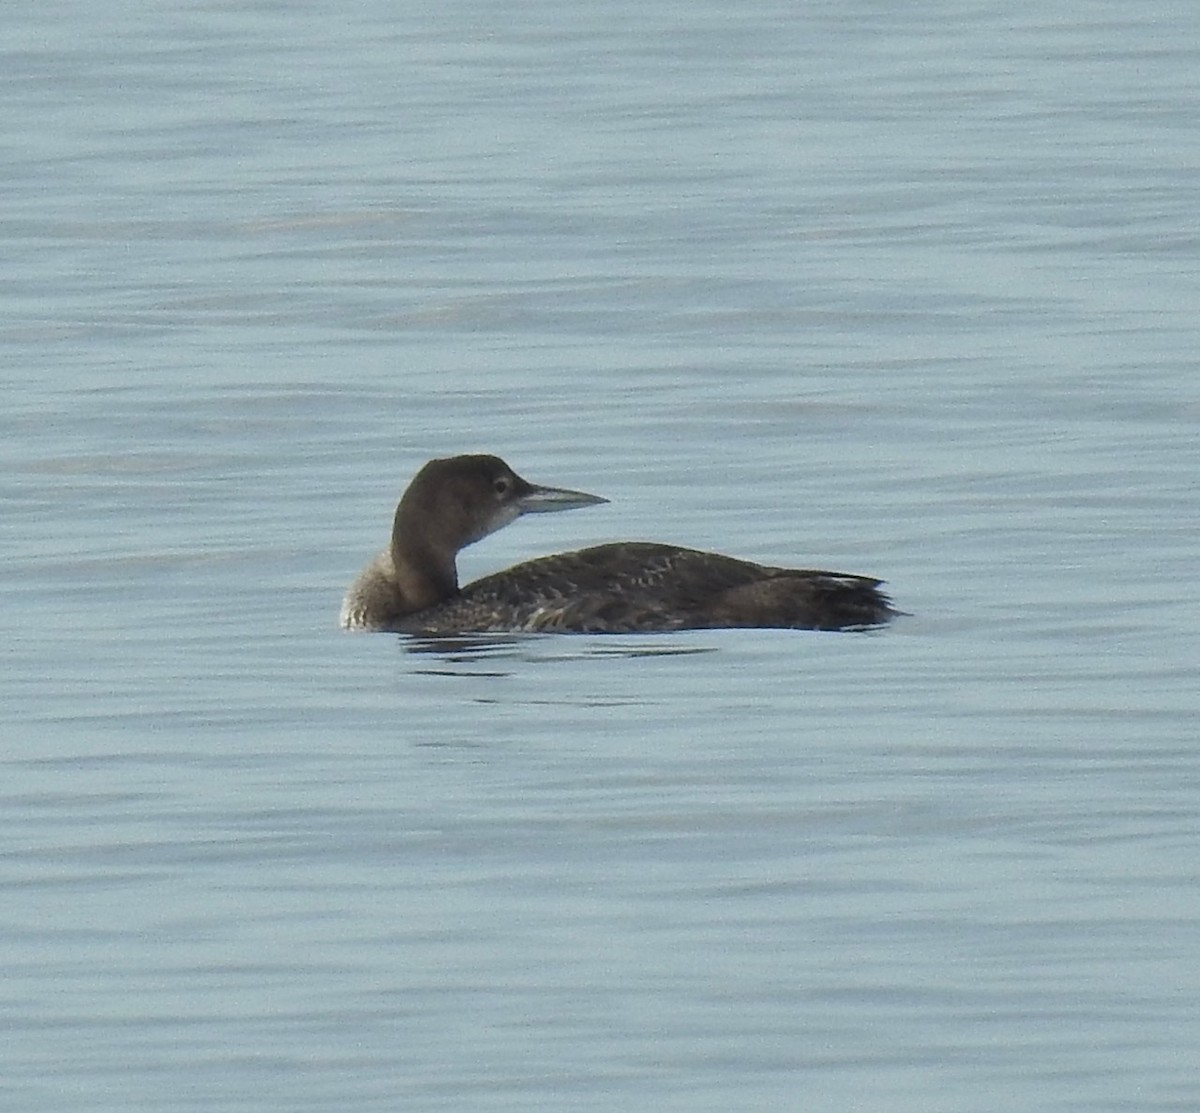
pixel 626 587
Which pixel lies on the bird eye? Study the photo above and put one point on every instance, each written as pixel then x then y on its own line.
pixel 502 486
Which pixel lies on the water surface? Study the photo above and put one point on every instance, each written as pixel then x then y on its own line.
pixel 909 294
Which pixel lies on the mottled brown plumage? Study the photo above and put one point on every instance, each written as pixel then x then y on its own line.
pixel 625 587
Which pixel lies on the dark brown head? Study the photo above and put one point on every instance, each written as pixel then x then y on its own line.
pixel 453 502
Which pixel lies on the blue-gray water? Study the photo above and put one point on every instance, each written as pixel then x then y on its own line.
pixel 904 290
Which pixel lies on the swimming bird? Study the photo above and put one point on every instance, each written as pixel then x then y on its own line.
pixel 624 587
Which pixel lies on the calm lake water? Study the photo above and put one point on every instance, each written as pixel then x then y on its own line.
pixel 903 291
